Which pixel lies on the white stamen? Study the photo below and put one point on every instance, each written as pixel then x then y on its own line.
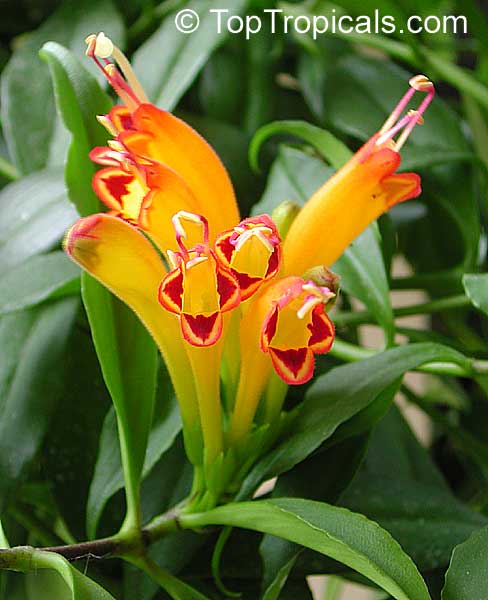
pixel 187 216
pixel 115 145
pixel 173 259
pixel 259 233
pixel 107 123
pixel 421 83
pixel 307 306
pixel 324 294
pixel 196 261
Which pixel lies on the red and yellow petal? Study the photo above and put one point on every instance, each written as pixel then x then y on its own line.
pixel 322 331
pixel 121 191
pixel 201 330
pixel 164 138
pixel 170 291
pixel 168 194
pixel 228 290
pixel 121 118
pixel 295 365
pixel 251 250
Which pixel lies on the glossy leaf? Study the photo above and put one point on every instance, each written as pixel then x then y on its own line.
pixel 476 287
pixel 31 381
pixel 128 358
pixel 399 487
pixel 331 471
pixel 378 85
pixel 184 54
pixel 363 275
pixel 345 536
pixel 331 148
pixel 336 397
pixel 37 279
pixel 70 448
pixel 108 477
pixel 79 100
pixel 466 577
pixel 80 586
pixel 34 137
pixel 34 214
pixel 273 591
pixel 294 176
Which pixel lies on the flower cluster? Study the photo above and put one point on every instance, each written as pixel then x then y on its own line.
pixel 229 303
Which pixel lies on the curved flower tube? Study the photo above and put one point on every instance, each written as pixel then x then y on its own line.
pixel 357 194
pixel 125 262
pixel 151 135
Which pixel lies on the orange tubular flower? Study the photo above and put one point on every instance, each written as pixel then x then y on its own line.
pixel 160 164
pixel 357 194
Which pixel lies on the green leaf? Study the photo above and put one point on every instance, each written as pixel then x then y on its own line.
pixel 273 591
pixel 80 586
pixel 363 274
pixel 466 578
pixel 338 533
pixel 336 397
pixel 458 77
pixel 79 100
pixel 331 470
pixel 476 288
pixel 31 383
pixel 108 477
pixel 37 279
pixel 70 448
pixel 34 214
pixel 165 76
pixel 332 149
pixel 33 135
pixel 129 359
pixel 294 176
pixel 399 487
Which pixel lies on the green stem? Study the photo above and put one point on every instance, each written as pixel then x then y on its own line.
pixel 365 317
pixel 446 281
pixel 350 353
